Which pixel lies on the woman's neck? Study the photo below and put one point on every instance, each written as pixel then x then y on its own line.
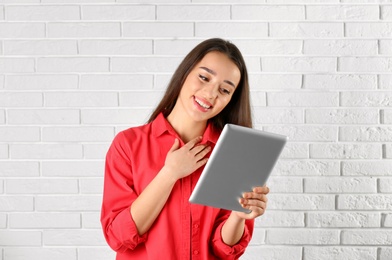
pixel 186 128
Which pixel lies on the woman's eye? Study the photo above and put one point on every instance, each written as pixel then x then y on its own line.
pixel 225 91
pixel 203 78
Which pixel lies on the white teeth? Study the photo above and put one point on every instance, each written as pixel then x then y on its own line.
pixel 202 104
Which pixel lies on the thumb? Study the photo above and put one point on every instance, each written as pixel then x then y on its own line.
pixel 175 145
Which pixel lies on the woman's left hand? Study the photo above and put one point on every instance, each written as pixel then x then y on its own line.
pixel 256 201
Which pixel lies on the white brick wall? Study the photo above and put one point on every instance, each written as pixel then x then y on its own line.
pixel 74 73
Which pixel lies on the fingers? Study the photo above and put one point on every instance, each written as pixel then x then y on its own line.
pixel 175 145
pixel 192 142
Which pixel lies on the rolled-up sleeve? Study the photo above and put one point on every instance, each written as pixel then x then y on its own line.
pixel 224 251
pixel 118 226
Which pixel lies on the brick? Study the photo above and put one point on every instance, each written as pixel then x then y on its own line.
pixel 161 81
pixel 268 12
pixel 295 151
pixel 385 47
pixel 307 168
pixel 366 99
pixel 365 134
pixel 158 29
pixel 40 47
pixel 77 134
pixel 2 116
pixel 174 46
pixel 340 47
pixel 368 237
pixel 101 253
pixel 1 186
pixel 301 202
pixel 365 202
pixel 275 81
pixel 343 219
pixel 84 30
pixel 269 47
pixel 115 47
pixel 386 116
pixel 298 64
pixel 367 168
pixel 340 185
pixel 342 12
pixel 81 99
pixel 231 29
pixel 16 65
pixel 144 64
pixel 95 151
pixel 91 220
pixel 385 81
pixel 44 220
pixel 4 152
pixel 41 186
pixel 91 186
pixel 46 151
pixel 42 13
pixel 305 133
pixel 345 151
pixel 15 30
pixel 302 237
pixel 3 220
pixel 388 150
pixel 368 30
pixel 140 99
pixel 253 64
pixel 41 82
pixel 306 30
pixel 73 64
pixel 73 238
pixel 193 13
pixel 2 79
pixel 280 219
pixel 115 116
pixel 263 115
pixel 299 99
pixel 258 238
pixel 386 12
pixel 68 203
pixel 16 203
pixel 19 134
pixel 385 185
pixel 387 221
pixel 43 116
pixel 385 253
pixel 340 81
pixel 258 98
pixel 118 12
pixel 20 238
pixel 285 185
pixel 365 64
pixel 341 116
pixel 20 99
pixel 340 253
pixel 75 169
pixel 116 82
pixel 21 253
pixel 19 169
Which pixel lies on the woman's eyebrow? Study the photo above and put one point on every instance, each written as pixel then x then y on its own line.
pixel 214 73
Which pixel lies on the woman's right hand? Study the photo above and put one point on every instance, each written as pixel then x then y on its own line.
pixel 180 162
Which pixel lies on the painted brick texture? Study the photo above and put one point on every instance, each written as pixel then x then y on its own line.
pixel 75 73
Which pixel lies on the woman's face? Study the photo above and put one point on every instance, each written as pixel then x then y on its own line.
pixel 209 86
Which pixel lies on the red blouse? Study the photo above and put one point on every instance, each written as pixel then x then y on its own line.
pixel 182 230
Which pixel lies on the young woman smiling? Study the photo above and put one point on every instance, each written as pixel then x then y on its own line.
pixel 152 169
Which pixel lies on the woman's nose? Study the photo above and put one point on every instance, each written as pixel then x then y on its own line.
pixel 211 91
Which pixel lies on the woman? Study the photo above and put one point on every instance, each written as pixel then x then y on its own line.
pixel 152 169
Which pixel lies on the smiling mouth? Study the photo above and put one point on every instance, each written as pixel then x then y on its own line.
pixel 202 104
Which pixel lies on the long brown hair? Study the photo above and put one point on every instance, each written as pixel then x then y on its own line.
pixel 238 110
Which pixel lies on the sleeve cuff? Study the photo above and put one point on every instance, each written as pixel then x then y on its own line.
pixel 127 231
pixel 224 250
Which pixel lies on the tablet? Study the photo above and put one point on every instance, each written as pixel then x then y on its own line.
pixel 243 158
